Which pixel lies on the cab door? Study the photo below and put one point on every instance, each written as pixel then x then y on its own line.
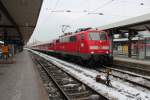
pixel 81 43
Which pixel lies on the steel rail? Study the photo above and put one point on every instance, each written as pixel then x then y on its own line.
pixel 101 96
pixel 137 70
pixel 51 77
pixel 125 72
pixel 127 80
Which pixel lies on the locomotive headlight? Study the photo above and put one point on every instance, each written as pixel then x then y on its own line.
pixel 92 52
pixel 105 47
pixel 107 52
pixel 94 47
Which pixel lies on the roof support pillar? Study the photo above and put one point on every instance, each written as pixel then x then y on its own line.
pixel 131 34
pixel 147 28
pixel 129 45
pixel 111 34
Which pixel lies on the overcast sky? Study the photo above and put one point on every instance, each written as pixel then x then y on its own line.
pixel 84 13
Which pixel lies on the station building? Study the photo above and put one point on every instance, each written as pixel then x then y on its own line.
pixel 140 46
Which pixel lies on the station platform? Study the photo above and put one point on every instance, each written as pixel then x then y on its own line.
pixel 21 80
pixel 132 60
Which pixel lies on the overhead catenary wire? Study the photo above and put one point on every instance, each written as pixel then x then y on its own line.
pixel 103 5
pixel 87 11
pixel 94 10
pixel 55 6
pixel 84 11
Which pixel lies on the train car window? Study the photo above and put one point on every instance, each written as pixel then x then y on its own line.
pixel 57 41
pixel 50 44
pixel 103 36
pixel 148 40
pixel 94 36
pixel 73 38
pixel 61 40
pixel 66 39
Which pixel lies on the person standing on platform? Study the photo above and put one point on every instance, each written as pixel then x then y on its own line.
pixel 5 51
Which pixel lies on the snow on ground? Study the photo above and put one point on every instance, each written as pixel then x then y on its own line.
pixel 134 74
pixel 119 91
pixel 137 79
pixel 133 78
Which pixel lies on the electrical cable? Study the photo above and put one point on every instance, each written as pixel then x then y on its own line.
pixel 104 5
pixel 55 6
pixel 101 6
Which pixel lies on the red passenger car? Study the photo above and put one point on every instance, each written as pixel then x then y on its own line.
pixel 89 47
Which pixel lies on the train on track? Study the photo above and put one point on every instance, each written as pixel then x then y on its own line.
pixel 90 47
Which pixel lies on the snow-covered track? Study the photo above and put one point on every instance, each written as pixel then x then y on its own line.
pixel 70 87
pixel 121 90
pixel 133 68
pixel 127 72
pixel 121 75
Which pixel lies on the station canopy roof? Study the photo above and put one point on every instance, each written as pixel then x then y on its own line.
pixel 139 23
pixel 18 18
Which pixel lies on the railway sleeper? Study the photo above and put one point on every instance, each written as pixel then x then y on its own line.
pixel 84 98
pixel 55 71
pixel 62 76
pixel 55 98
pixel 78 95
pixel 90 97
pixel 53 68
pixel 61 82
pixel 73 90
pixel 70 86
pixel 54 95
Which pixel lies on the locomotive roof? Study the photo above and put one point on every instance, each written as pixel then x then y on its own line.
pixel 41 43
pixel 90 30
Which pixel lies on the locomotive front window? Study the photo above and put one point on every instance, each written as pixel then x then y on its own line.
pixel 94 36
pixel 103 36
pixel 97 36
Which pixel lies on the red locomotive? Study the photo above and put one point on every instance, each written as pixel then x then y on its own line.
pixel 90 47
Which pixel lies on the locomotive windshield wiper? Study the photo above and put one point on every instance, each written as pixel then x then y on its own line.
pixel 90 37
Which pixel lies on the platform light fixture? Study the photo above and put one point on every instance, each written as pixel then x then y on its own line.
pixel 97 13
pixel 142 3
pixel 68 11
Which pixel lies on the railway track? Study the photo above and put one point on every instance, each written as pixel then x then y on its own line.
pixel 118 85
pixel 67 87
pixel 135 79
pixel 136 69
pixel 52 90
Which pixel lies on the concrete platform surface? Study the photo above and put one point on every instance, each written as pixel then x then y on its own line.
pixel 131 60
pixel 20 81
